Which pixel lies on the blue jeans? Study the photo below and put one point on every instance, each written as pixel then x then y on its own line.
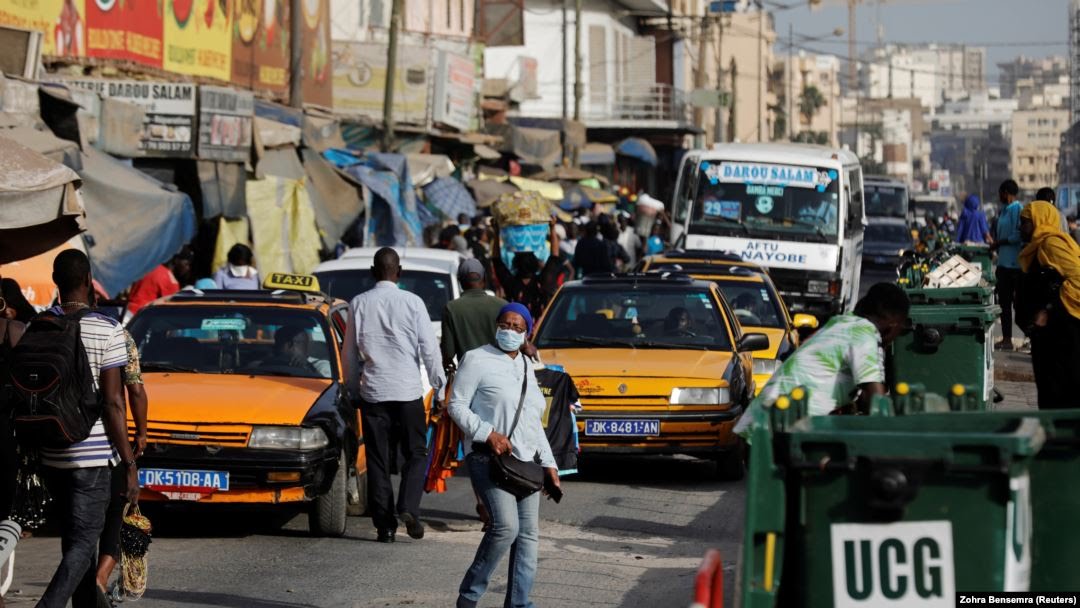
pixel 80 497
pixel 514 528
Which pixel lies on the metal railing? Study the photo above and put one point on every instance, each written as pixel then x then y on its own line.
pixel 636 101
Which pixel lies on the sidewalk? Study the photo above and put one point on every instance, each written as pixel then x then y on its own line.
pixel 1015 380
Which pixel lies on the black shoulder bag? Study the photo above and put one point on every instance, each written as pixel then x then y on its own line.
pixel 517 477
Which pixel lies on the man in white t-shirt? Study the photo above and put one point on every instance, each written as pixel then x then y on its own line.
pixel 79 477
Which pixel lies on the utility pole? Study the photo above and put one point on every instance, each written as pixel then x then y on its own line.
pixel 761 71
pixel 565 70
pixel 699 76
pixel 579 86
pixel 296 54
pixel 791 82
pixel 853 68
pixel 391 74
pixel 720 130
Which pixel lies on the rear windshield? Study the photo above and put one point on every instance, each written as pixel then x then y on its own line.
pixel 642 316
pixel 886 201
pixel 226 340
pixel 888 234
pixel 434 288
pixel 754 304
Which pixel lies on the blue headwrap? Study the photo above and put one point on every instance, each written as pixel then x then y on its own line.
pixel 521 310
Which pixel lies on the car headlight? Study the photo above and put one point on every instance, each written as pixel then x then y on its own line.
pixel 766 366
pixel 817 287
pixel 700 396
pixel 288 438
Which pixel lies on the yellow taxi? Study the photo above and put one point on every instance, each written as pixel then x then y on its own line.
pixel 751 295
pixel 247 402
pixel 660 362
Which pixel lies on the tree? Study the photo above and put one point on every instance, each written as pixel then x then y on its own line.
pixel 810 101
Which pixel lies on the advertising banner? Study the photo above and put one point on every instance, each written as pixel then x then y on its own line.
pixel 316 68
pixel 360 78
pixel 198 38
pixel 116 29
pixel 260 51
pixel 62 21
pixel 225 117
pixel 455 91
pixel 169 127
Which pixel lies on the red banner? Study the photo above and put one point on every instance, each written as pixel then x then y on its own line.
pixel 260 52
pixel 116 29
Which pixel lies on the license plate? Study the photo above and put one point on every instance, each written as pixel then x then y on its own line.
pixel 631 428
pixel 185 481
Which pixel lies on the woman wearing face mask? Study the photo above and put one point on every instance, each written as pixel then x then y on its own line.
pixel 486 397
pixel 240 272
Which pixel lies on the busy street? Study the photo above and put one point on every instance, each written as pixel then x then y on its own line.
pixel 626 303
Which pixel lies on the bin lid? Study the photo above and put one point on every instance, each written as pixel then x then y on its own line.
pixel 951 314
pixel 950 295
pixel 958 440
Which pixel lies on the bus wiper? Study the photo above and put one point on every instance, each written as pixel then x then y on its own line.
pixel 160 366
pixel 729 220
pixel 817 227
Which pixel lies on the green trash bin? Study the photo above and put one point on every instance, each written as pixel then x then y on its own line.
pixel 1055 495
pixel 846 511
pixel 944 346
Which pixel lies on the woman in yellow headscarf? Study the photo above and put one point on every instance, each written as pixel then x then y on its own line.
pixel 1051 302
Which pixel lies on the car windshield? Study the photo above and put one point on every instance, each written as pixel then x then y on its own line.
pixel 641 316
pixel 754 304
pixel 434 288
pixel 747 199
pixel 885 201
pixel 256 341
pixel 891 233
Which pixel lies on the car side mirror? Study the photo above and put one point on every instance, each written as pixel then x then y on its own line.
pixel 751 343
pixel 804 321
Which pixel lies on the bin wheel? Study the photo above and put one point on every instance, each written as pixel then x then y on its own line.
pixel 731 465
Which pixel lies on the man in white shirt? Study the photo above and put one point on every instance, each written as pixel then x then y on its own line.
pixel 389 334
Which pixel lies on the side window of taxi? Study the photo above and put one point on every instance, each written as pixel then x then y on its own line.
pixel 338 322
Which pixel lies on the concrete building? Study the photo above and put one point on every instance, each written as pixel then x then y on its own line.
pixel 932 73
pixel 746 52
pixel 976 158
pixel 892 135
pixel 1074 62
pixel 1040 72
pixel 978 111
pixel 1036 146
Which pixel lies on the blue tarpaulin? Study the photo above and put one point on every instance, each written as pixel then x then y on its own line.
pixel 394 215
pixel 133 221
pixel 451 197
pixel 638 148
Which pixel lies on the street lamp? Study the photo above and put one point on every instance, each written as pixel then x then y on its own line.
pixel 791 68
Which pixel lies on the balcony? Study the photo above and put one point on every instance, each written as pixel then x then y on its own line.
pixel 636 104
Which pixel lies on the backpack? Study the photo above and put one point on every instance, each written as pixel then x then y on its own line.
pixel 52 395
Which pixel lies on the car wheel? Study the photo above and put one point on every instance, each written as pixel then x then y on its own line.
pixel 731 465
pixel 327 516
pixel 358 493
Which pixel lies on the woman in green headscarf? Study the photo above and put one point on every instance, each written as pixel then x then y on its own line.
pixel 1050 304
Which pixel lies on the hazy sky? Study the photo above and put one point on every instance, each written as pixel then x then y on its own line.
pixel 1011 24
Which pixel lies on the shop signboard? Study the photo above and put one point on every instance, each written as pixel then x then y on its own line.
pixel 316 69
pixel 169 127
pixel 125 30
pixel 360 80
pixel 225 117
pixel 455 91
pixel 198 38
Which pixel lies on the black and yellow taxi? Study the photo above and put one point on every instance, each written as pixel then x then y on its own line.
pixel 660 362
pixel 248 404
pixel 751 295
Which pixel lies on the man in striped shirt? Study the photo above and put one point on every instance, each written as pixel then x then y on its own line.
pixel 78 477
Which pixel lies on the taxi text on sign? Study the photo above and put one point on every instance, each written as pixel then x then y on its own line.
pixel 887 565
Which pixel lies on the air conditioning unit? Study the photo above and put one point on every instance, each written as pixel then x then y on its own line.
pixel 20 52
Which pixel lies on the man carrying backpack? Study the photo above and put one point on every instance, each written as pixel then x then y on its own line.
pixel 69 403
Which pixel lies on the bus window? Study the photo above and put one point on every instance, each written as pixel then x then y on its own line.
pixel 686 188
pixel 854 190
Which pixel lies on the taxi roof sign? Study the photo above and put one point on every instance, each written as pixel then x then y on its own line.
pixel 292 282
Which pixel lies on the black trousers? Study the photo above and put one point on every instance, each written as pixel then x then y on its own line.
pixel 1055 359
pixel 1008 281
pixel 385 424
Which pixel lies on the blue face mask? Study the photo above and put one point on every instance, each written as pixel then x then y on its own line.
pixel 509 340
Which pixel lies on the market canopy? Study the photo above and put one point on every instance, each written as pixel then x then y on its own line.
pixel 134 222
pixel 548 190
pixel 40 205
pixel 596 154
pixel 637 148
pixel 487 191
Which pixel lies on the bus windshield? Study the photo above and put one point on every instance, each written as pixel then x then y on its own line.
pixel 749 199
pixel 886 200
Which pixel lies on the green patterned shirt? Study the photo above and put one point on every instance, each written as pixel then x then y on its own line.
pixel 831 365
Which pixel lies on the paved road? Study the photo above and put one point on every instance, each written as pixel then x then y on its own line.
pixel 630 532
